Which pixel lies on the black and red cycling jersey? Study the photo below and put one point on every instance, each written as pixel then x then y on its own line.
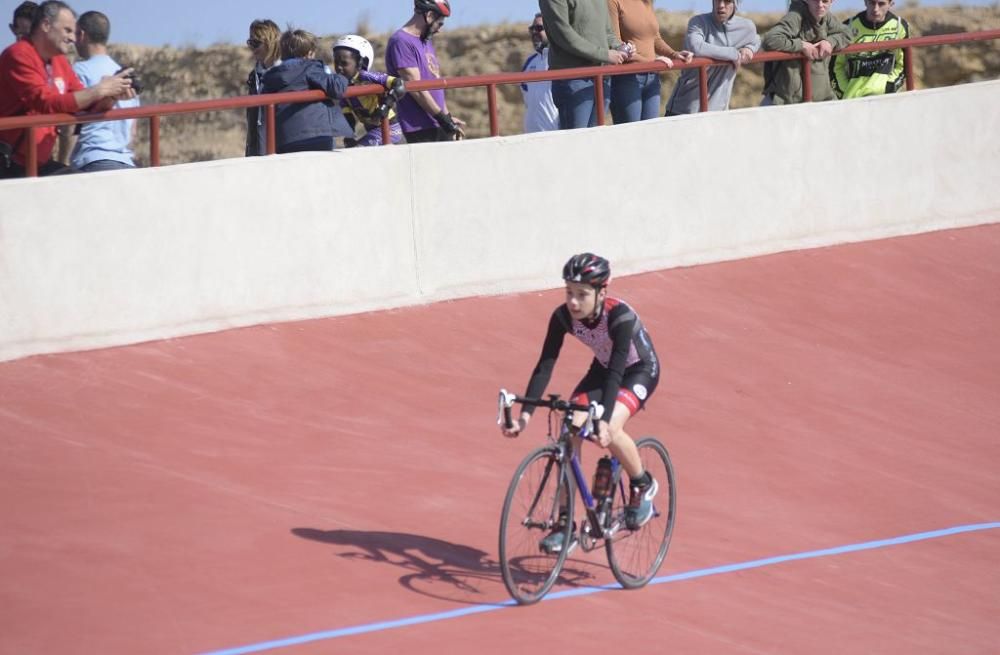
pixel 622 349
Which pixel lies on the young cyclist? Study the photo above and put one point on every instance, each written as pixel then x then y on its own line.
pixel 622 376
pixel 352 55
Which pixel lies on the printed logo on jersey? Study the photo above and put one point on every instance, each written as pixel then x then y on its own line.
pixel 432 64
pixel 640 391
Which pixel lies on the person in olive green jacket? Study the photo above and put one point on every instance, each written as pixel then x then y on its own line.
pixel 580 35
pixel 811 30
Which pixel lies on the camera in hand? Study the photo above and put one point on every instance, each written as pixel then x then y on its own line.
pixel 133 78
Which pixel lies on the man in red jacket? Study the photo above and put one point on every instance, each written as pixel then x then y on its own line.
pixel 36 78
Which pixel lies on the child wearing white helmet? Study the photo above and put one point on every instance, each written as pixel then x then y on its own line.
pixel 352 57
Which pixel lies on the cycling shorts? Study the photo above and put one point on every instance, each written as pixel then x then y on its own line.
pixel 636 388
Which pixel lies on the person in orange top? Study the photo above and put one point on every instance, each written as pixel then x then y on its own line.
pixel 36 78
pixel 636 96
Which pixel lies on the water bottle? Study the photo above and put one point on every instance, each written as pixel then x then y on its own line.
pixel 602 480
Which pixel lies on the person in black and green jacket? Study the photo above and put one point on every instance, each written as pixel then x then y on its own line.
pixel 860 74
pixel 808 29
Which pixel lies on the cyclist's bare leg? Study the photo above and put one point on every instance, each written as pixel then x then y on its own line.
pixel 622 446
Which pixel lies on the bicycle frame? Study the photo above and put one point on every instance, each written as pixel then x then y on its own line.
pixel 564 445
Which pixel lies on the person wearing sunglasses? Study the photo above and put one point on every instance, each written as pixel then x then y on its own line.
pixel 264 45
pixel 540 113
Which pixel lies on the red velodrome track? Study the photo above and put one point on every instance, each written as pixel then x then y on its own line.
pixel 333 486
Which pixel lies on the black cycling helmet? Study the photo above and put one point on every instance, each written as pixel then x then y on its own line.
pixel 440 6
pixel 587 268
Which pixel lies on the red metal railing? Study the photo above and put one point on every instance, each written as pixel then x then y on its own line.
pixel 491 81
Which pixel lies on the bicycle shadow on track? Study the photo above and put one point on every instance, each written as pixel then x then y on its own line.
pixel 434 567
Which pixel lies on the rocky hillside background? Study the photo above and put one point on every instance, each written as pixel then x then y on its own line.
pixel 177 75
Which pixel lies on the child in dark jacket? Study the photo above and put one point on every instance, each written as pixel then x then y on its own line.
pixel 306 125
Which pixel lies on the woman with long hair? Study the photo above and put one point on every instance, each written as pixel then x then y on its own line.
pixel 264 44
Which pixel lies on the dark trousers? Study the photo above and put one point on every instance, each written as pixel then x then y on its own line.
pixel 50 167
pixel 430 135
pixel 316 144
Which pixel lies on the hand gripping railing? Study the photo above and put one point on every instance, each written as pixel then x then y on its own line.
pixel 490 81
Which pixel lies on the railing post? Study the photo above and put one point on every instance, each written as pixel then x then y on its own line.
pixel 703 88
pixel 491 94
pixel 271 141
pixel 154 141
pixel 31 158
pixel 908 67
pixel 386 132
pixel 807 80
pixel 599 98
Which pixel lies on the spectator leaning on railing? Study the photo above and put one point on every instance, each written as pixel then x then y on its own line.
pixel 36 78
pixel 580 35
pixel 719 34
pixel 104 145
pixel 810 30
pixel 861 74
pixel 636 96
pixel 303 126
pixel 20 26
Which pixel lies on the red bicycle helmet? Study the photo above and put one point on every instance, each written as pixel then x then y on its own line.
pixel 441 7
pixel 587 268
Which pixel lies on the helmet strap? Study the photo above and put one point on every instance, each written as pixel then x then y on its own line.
pixel 602 293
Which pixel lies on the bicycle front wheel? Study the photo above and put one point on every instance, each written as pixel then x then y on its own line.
pixel 540 486
pixel 636 555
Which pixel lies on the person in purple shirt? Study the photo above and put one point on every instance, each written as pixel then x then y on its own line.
pixel 410 54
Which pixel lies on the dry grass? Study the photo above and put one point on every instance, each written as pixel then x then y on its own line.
pixel 177 75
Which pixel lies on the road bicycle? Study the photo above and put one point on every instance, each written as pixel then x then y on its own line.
pixel 541 499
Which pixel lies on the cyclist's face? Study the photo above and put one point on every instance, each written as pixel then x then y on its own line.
pixel 581 300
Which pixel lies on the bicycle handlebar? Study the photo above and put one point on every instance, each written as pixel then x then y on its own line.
pixel 507 399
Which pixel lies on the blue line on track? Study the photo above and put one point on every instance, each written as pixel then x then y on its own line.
pixel 571 593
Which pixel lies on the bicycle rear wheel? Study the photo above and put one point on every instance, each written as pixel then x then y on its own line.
pixel 636 556
pixel 530 512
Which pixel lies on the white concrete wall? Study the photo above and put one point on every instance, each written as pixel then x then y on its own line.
pixel 114 258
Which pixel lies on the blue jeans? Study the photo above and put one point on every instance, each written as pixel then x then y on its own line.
pixel 635 97
pixel 575 101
